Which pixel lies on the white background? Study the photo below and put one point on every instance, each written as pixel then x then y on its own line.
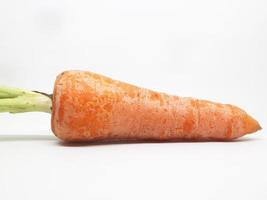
pixel 208 49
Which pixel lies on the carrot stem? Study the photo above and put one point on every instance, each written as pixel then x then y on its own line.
pixel 16 100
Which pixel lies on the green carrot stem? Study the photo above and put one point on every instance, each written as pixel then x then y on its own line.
pixel 16 100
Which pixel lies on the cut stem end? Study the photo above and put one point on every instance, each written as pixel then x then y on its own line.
pixel 16 100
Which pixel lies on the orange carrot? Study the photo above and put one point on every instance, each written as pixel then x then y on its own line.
pixel 89 107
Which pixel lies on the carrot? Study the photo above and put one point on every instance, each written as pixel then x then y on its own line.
pixel 89 107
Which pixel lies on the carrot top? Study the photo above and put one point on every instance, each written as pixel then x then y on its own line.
pixel 16 100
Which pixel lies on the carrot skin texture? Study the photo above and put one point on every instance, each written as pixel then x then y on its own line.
pixel 89 107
